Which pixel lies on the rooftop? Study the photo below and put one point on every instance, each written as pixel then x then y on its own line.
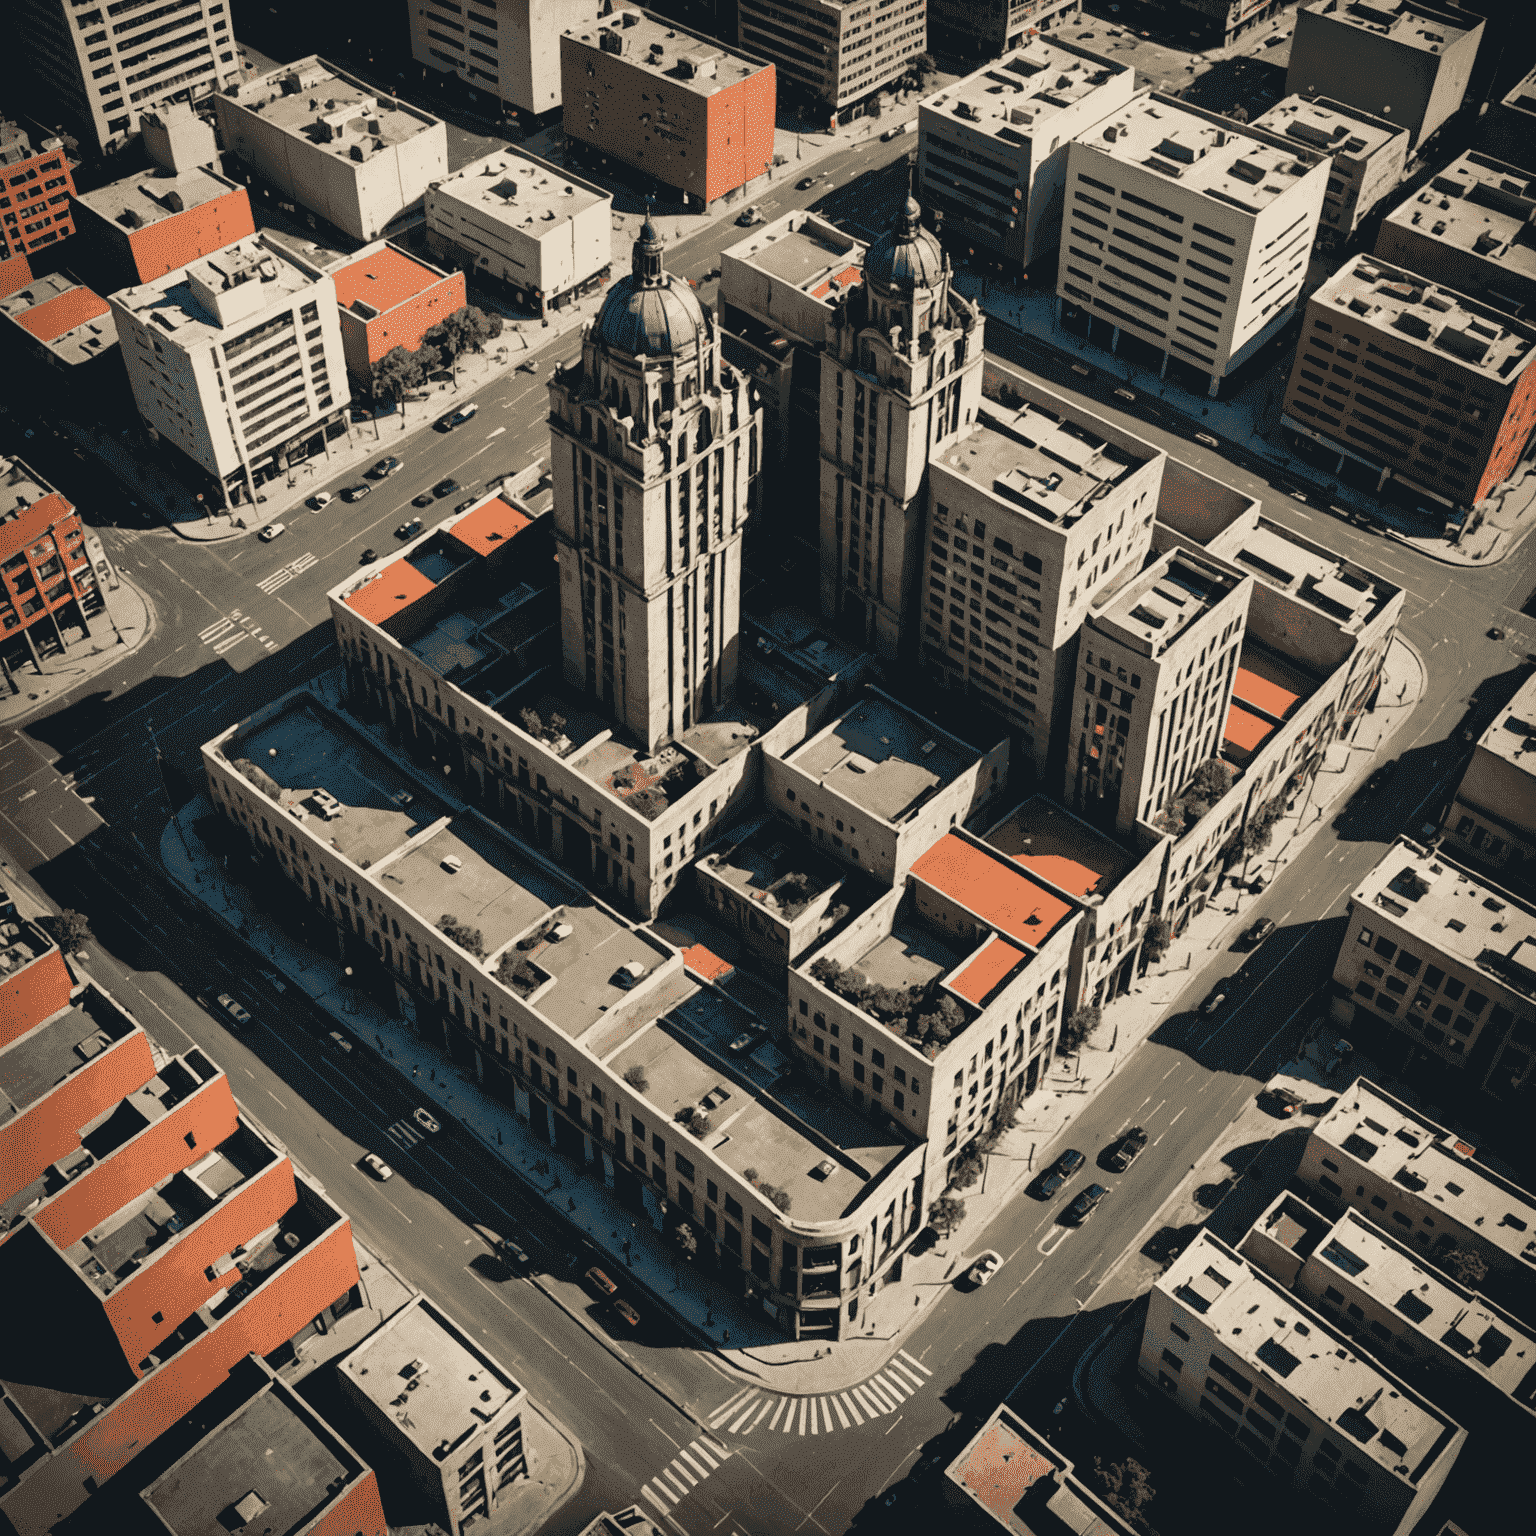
pixel 1057 847
pixel 20 487
pixel 521 192
pixel 16 144
pixel 774 868
pixel 993 888
pixel 1044 462
pixel 1330 126
pixel 1479 206
pixel 1512 735
pixel 883 758
pixel 380 278
pixel 1150 612
pixel 74 323
pixel 1309 574
pixel 1291 1348
pixel 805 251
pixel 1373 1129
pixel 690 63
pixel 423 1371
pixel 311 100
pixel 1268 684
pixel 1221 163
pixel 1521 97
pixel 136 202
pixel 1419 314
pixel 35 1063
pixel 1410 25
pixel 1018 95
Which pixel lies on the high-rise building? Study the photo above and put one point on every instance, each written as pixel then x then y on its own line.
pixel 900 381
pixel 35 188
pixel 984 29
pixel 653 437
pixel 99 72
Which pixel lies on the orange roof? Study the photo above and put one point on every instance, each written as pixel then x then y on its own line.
pixel 32 523
pixel 706 963
pixel 992 887
pixel 976 982
pixel 392 591
pixel 1064 873
pixel 63 312
pixel 382 279
pixel 1263 694
pixel 847 277
pixel 1000 1468
pixel 32 994
pixel 1246 730
pixel 487 528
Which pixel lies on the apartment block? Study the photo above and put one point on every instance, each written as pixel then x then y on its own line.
pixel 1422 1183
pixel 1187 234
pixel 992 148
pixel 65 327
pixel 236 361
pixel 536 227
pixel 1508 129
pixel 1475 1357
pixel 1491 821
pixel 1243 1356
pixel 35 980
pixel 100 73
pixel 1440 954
pixel 509 49
pixel 1413 382
pixel 1032 509
pixel 943 1000
pixel 1153 694
pixel 35 188
pixel 446 1406
pixel 677 107
pixel 986 29
pixel 1470 229
pixel 387 298
pixel 1369 156
pixel 145 226
pixel 359 159
pixel 834 51
pixel 1393 58
pixel 876 786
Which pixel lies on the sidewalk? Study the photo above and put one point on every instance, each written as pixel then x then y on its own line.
pixel 128 622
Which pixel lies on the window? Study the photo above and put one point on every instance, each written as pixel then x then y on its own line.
pixel 1172 1361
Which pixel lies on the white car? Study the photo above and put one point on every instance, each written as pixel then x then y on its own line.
pixel 377 1167
pixel 272 531
pixel 425 1121
pixel 985 1267
pixel 319 501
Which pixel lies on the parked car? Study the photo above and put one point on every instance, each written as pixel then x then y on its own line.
pixel 1260 931
pixel 356 492
pixel 1127 1149
pixel 748 217
pixel 377 1167
pixel 1059 1172
pixel 457 418
pixel 515 1255
pixel 1086 1203
pixel 425 1121
pixel 232 1011
pixel 986 1265
pixel 409 528
pixel 627 974
pixel 1215 998
pixel 601 1284
pixel 272 531
pixel 445 488
pixel 341 1042
pixel 386 467
pixel 368 556
pixel 744 1042
pixel 466 504
pixel 319 501
pixel 628 1313
pixel 424 500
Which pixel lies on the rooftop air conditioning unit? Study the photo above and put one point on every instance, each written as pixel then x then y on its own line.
pixel 561 931
pixel 453 863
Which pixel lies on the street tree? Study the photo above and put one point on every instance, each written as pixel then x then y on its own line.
pixel 946 1215
pixel 1127 1488
pixel 1080 1023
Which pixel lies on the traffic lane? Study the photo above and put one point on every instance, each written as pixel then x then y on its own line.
pixel 41 817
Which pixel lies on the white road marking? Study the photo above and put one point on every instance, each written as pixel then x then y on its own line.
pixel 848 1402
pixel 918 1363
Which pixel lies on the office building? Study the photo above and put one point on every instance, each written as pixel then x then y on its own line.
pixel 535 227
pixel 67 328
pixel 1490 823
pixel 35 188
pixel 101 72
pixel 652 426
pixel 387 298
pixel 1422 1183
pixel 508 49
pixel 986 29
pixel 358 158
pixel 1508 129
pixel 1240 1354
pixel 446 1406
pixel 1443 398
pixel 236 362
pixel 1469 229
pixel 900 381
pixel 1032 510
pixel 1444 957
pixel 836 52
pixel 678 108
pixel 1186 234
pixel 992 148
pixel 139 229
pixel 1369 156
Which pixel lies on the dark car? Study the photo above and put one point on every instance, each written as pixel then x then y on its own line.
pixel 1378 780
pixel 424 500
pixel 1260 931
pixel 409 528
pixel 1127 1149
pixel 367 557
pixel 466 504
pixel 1086 1203
pixel 386 467
pixel 1059 1172
pixel 1215 998
pixel 456 418
pixel 805 184
pixel 445 488
pixel 356 492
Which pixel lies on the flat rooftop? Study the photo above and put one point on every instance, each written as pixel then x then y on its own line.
pixel 381 279
pixel 1374 1129
pixel 1268 683
pixel 1407 25
pixel 273 1466
pixel 72 321
pixel 20 944
pixel 1512 735
pixel 1018 95
pixel 136 202
pixel 994 888
pixel 35 1063
pixel 685 61
pixel 1348 595
pixel 1481 207
pixel 1521 97
pixel 1192 152
pixel 1287 1345
pixel 1151 611
pixel 1330 126
pixel 1419 314
pixel 1038 461
pixel 1060 849
pixel 521 192
pixel 805 251
pixel 20 486
pixel 775 869
pixel 883 758
pixel 311 100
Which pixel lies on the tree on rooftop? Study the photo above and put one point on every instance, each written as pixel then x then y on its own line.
pixel 1465 1266
pixel 1210 781
pixel 636 1078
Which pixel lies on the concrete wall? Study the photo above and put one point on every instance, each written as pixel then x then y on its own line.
pixel 141 255
pixel 1201 507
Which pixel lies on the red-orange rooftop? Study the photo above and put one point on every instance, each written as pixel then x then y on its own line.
pixel 382 279
pixel 487 528
pixel 392 591
pixel 978 980
pixel 998 1468
pixel 1064 873
pixel 845 279
pixel 992 887
pixel 1262 694
pixel 704 962
pixel 1244 730
pixel 32 522
pixel 62 313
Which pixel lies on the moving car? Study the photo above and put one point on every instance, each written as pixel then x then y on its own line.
pixel 744 1042
pixel 986 1265
pixel 424 500
pixel 1127 1149
pixel 748 217
pixel 377 1167
pixel 628 1313
pixel 805 183
pixel 1059 1172
pixel 445 488
pixel 272 531
pixel 356 492
pixel 1260 931
pixel 319 501
pixel 409 528
pixel 1215 998
pixel 601 1283
pixel 528 366
pixel 386 467
pixel 232 1011
pixel 515 1255
pixel 1086 1203
pixel 425 1121
pixel 457 418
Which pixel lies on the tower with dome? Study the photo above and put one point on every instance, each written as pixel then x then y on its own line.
pixel 900 380
pixel 654 449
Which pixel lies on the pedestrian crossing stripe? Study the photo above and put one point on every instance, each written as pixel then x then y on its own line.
pixel 692 1464
pixel 823 1413
pixel 403 1132
pixel 284 574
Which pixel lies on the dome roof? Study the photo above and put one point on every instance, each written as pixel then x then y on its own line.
pixel 906 256
pixel 649 313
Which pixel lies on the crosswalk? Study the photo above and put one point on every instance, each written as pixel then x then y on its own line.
pixel 284 574
pixel 684 1473
pixel 404 1134
pixel 884 1392
pixel 226 633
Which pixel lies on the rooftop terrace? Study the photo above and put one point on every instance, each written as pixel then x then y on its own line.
pixel 774 868
pixel 1058 848
pixel 521 192
pixel 685 61
pixel 35 1063
pixel 312 101
pixel 1481 206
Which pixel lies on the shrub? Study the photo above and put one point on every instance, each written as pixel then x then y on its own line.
pixel 519 974
pixel 1126 1488
pixel 636 1078
pixel 1159 936
pixel 1465 1266
pixel 699 1123
pixel 463 935
pixel 257 776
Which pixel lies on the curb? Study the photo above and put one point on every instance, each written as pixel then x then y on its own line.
pixel 547 1513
